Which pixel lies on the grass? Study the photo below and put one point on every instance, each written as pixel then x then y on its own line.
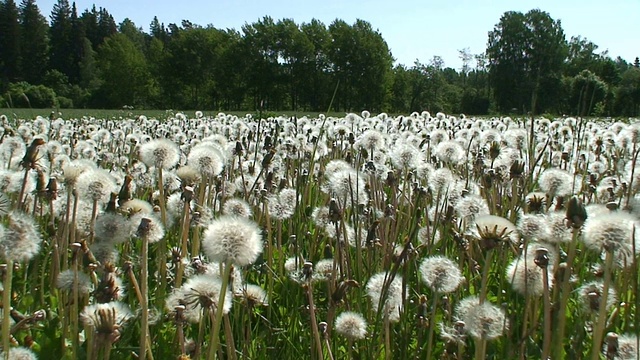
pixel 30 114
pixel 348 212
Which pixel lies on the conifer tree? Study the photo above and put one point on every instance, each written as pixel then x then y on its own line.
pixel 34 43
pixel 9 42
pixel 60 35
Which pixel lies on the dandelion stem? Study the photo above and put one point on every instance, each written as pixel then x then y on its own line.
pixel 75 303
pixel 314 322
pixel 387 336
pixel 183 244
pixel 564 298
pixel 90 340
pixel 228 334
pixel 144 301
pixel 6 308
pixel 22 189
pixel 598 330
pixel 546 344
pixel 485 276
pixel 162 244
pixel 432 323
pixel 215 334
pixel 481 348
pixel 92 225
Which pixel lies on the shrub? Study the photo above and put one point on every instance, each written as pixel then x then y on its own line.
pixel 25 95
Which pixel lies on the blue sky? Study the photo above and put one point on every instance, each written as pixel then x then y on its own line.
pixel 413 29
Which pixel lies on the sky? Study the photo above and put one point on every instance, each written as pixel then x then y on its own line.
pixel 413 29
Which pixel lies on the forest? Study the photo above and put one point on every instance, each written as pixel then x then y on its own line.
pixel 87 59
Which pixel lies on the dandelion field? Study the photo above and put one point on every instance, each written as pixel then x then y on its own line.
pixel 189 236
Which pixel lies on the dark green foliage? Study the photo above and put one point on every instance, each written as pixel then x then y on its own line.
pixel 60 35
pixel 9 42
pixel 526 54
pixel 275 65
pixel 34 43
pixel 25 95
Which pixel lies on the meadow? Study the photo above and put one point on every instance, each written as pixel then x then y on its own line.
pixel 190 235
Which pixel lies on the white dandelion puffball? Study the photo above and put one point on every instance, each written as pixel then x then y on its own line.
pixel 234 239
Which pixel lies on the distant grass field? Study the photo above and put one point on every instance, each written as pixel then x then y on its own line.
pixel 121 113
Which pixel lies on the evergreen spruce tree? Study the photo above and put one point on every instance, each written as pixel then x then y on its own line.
pixel 89 19
pixel 9 42
pixel 60 35
pixel 77 45
pixel 34 43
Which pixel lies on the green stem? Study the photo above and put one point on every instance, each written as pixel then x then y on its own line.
pixel 485 276
pixel 546 343
pixel 314 322
pixel 6 309
pixel 183 245
pixel 75 306
pixel 162 245
pixel 144 302
pixel 564 298
pixel 481 348
pixel 599 329
pixel 215 334
pixel 432 323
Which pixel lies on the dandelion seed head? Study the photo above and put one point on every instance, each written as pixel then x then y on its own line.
pixel 559 231
pixel 347 185
pixel 20 240
pixel 471 206
pixel 323 270
pixel 161 153
pixel 20 353
pixel 556 182
pixel 236 239
pixel 237 207
pixel 74 169
pixel 627 348
pixel 590 295
pixel 105 252
pixel 405 156
pixel 175 206
pixel 351 325
pixel 426 235
pixel 440 274
pixel 202 292
pixel 112 227
pixel 188 175
pixel 371 140
pixel 534 227
pixel 608 231
pixel 65 282
pixel 525 277
pixel 394 295
pixel 440 181
pixel 492 229
pixel 253 295
pixel 482 321
pixel 135 206
pixel 283 205
pixel 147 227
pixel 96 185
pixel 206 159
pixel 106 318
pixel 450 152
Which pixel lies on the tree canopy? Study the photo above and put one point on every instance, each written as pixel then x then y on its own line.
pixel 88 60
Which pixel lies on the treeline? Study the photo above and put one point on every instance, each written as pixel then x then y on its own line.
pixel 87 60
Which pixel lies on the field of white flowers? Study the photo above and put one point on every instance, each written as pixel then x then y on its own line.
pixel 356 237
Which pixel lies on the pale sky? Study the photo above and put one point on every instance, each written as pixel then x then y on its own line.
pixel 413 29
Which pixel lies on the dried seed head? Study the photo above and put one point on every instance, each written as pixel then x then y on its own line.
pixel 576 212
pixel 542 257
